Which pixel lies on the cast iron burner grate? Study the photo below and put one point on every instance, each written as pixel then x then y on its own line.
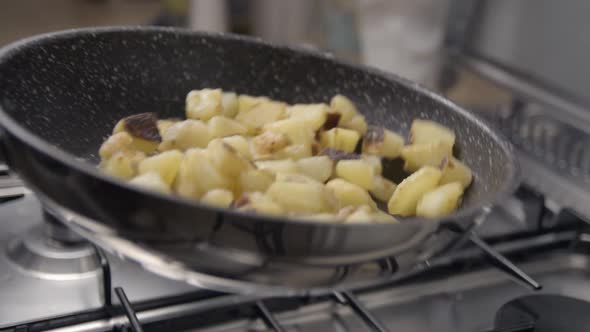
pixel 543 313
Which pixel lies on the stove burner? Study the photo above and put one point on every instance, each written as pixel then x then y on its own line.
pixel 544 313
pixel 51 251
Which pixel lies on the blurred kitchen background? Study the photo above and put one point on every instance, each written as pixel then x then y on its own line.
pixel 519 63
pixel 401 36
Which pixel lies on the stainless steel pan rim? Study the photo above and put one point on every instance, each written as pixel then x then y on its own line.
pixel 68 159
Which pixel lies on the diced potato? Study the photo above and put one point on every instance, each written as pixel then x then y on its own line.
pixel 382 188
pixel 152 181
pixel 407 194
pixel 255 180
pixel 203 104
pixel 299 196
pixel 456 171
pixel 220 126
pixel 319 168
pixel 143 128
pixel 440 201
pixel 380 216
pixel 362 215
pixel 382 142
pixel 314 115
pixel 340 138
pixel 246 102
pixel 294 177
pixel 349 194
pixel 260 114
pixel 163 125
pixel 426 131
pixel 357 123
pixel 296 130
pixel 119 127
pixel 269 142
pixel 145 146
pixel 258 202
pixel 428 154
pixel 227 159
pixel 229 104
pixel 275 158
pixel 218 197
pixel 240 143
pixel 165 164
pixel 278 166
pixel 197 175
pixel 185 135
pixel 122 164
pixel 375 161
pixel 116 143
pixel 294 151
pixel 357 171
pixel 344 106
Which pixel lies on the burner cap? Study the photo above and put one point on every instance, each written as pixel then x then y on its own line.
pixel 544 313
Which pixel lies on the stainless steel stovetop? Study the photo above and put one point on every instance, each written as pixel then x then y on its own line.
pixel 458 292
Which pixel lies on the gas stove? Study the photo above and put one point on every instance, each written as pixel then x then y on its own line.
pixel 525 267
pixel 53 280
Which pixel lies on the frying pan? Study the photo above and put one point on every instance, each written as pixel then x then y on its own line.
pixel 61 93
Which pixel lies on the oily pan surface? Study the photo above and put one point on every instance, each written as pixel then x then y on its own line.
pixel 71 91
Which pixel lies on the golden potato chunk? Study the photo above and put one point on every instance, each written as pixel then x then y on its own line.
pixel 362 215
pixel 278 166
pixel 165 164
pixel 185 135
pixel 295 129
pixel 118 142
pixel 319 168
pixel 357 171
pixel 294 151
pixel 221 126
pixel 122 164
pixel 301 196
pixel 357 123
pixel 340 138
pixel 456 171
pixel 380 216
pixel 314 115
pixel 218 197
pixel 407 194
pixel 428 154
pixel 260 114
pixel 197 175
pixel 255 180
pixel 375 161
pixel 259 203
pixel 382 142
pixel 229 104
pixel 382 188
pixel 347 193
pixel 226 159
pixel 203 104
pixel 163 125
pixel 426 131
pixel 246 102
pixel 269 142
pixel 440 201
pixel 344 106
pixel 240 143
pixel 152 181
